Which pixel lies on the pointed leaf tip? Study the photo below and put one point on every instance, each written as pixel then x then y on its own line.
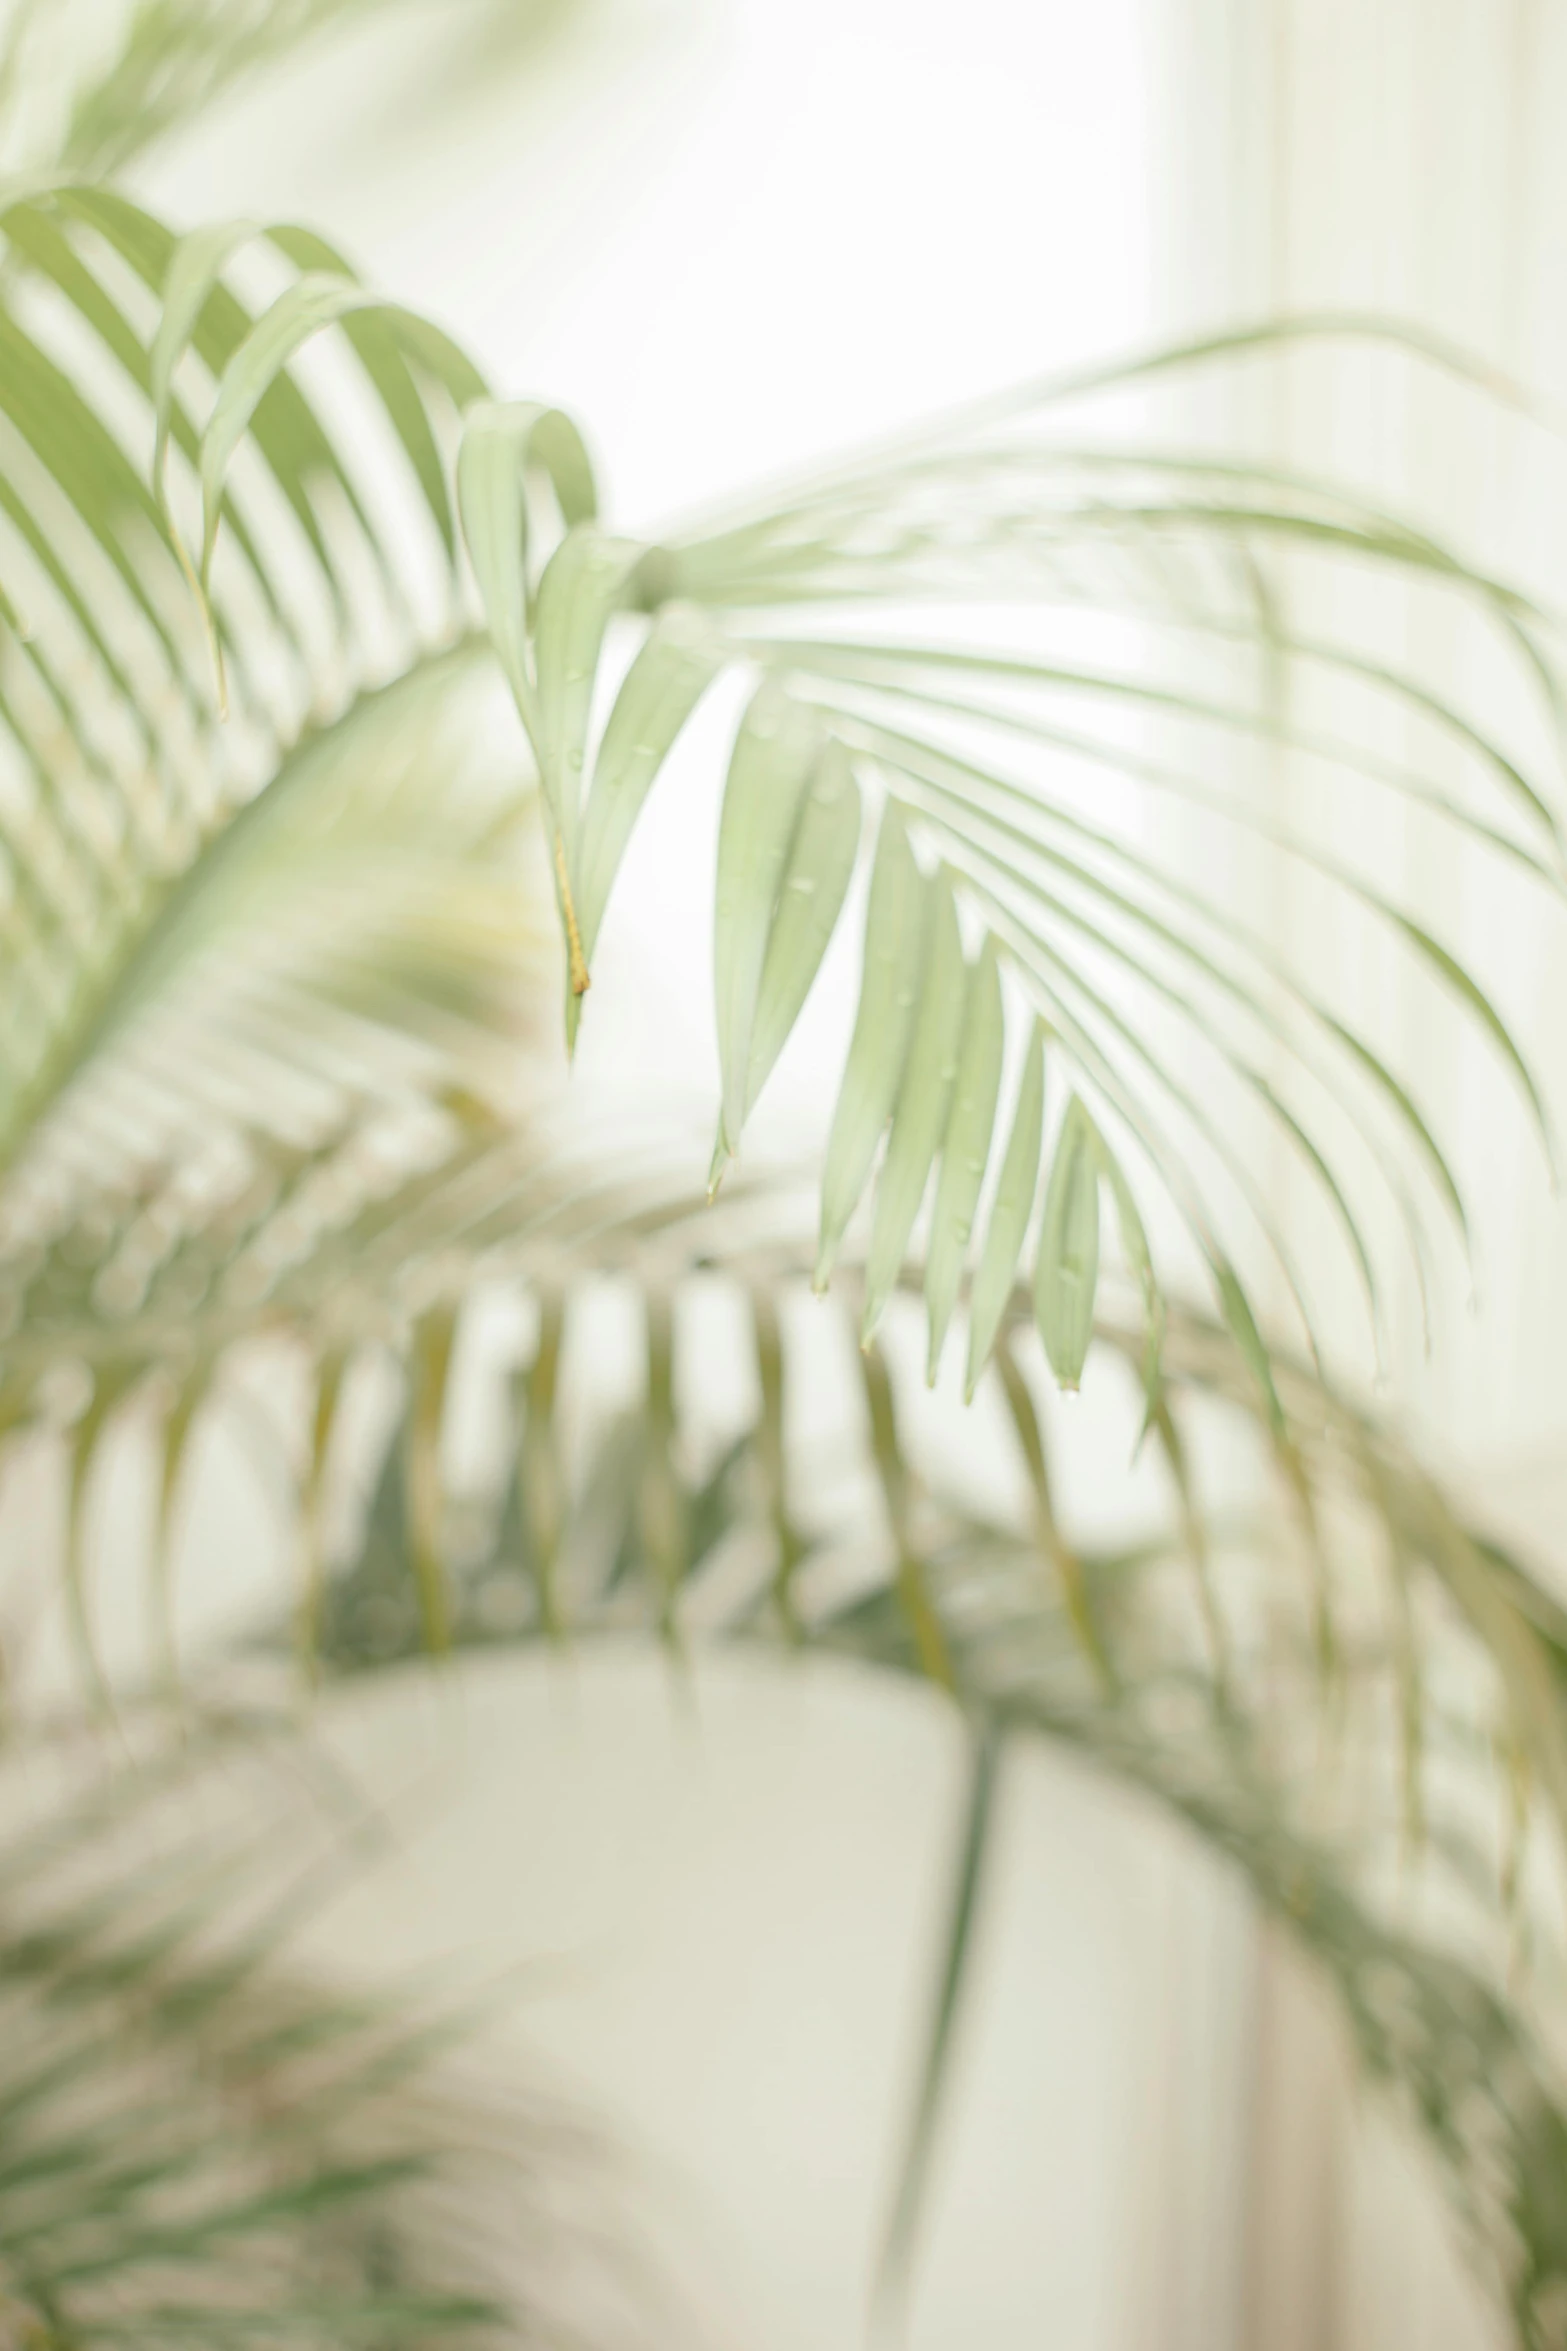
pixel 680 656
pixel 720 1161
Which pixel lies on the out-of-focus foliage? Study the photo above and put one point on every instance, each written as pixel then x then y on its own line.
pixel 320 669
pixel 200 2144
pixel 89 84
pixel 1178 1041
pixel 1319 1666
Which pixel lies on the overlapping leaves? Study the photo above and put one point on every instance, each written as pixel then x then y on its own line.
pixel 994 901
pixel 1170 1019
pixel 1372 1804
pixel 90 88
pixel 286 927
pixel 197 2141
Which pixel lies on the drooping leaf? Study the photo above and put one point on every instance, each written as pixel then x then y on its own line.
pixel 924 1098
pixel 962 1911
pixel 1236 1308
pixel 965 1147
pixel 889 992
pixel 777 752
pixel 506 448
pixel 1139 1257
pixel 311 304
pixel 1011 1213
pixel 911 1581
pixel 816 882
pixel 582 585
pixel 195 266
pixel 316 300
pixel 1066 1273
pixel 285 429
pixel 384 346
pixel 578 594
pixel 672 669
pixel 1052 1542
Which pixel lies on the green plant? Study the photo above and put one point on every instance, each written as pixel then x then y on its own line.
pixel 275 1067
pixel 203 2144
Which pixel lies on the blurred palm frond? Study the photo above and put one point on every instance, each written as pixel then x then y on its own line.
pixel 198 2141
pixel 90 85
pixel 1344 1688
pixel 1181 1047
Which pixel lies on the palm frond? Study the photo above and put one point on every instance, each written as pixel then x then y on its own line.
pixel 198 2142
pixel 345 993
pixel 1019 797
pixel 246 952
pixel 88 87
pixel 1036 775
pixel 1179 1036
pixel 1366 1785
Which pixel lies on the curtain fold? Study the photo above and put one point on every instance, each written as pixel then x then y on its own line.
pixel 1402 157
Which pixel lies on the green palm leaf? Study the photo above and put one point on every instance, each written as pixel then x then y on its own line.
pixel 1136 973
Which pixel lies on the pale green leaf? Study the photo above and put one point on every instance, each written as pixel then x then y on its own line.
pixel 319 299
pixel 311 304
pixel 492 503
pixel 672 670
pixel 195 266
pixel 965 1147
pixel 285 428
pixel 1472 994
pixel 505 447
pixel 816 882
pixel 776 754
pixel 889 990
pixel 579 593
pixel 924 1099
pixel 71 442
pixel 384 344
pixel 1010 1215
pixel 1242 1322
pixel 1139 1257
pixel 1066 1275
